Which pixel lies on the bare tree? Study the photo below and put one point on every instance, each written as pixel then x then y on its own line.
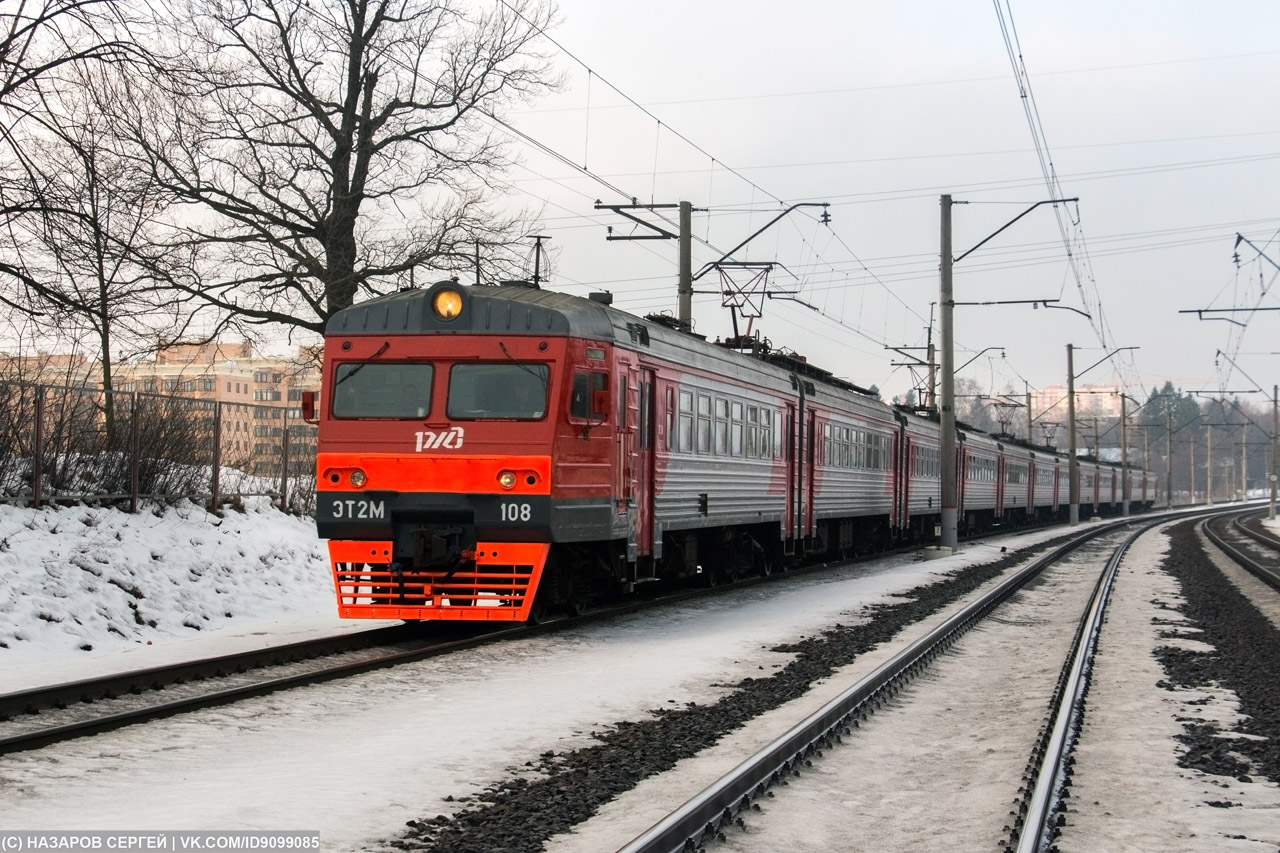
pixel 90 235
pixel 330 150
pixel 40 39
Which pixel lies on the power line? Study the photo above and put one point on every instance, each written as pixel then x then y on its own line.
pixel 1079 262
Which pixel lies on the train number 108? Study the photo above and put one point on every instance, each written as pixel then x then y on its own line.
pixel 516 512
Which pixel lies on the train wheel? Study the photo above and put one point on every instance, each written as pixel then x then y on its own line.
pixel 709 576
pixel 540 611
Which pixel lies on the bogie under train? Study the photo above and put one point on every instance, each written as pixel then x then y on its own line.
pixel 488 453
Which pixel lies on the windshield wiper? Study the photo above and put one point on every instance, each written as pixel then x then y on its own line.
pixel 545 380
pixel 385 346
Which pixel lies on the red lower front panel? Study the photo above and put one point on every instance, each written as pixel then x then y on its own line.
pixel 498 586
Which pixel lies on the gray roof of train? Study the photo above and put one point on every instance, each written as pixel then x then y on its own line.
pixel 521 310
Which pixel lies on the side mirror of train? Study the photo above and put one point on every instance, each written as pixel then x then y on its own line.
pixel 309 407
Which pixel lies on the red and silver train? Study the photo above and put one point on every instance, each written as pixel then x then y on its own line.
pixel 491 452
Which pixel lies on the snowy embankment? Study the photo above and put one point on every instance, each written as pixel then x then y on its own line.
pixel 89 583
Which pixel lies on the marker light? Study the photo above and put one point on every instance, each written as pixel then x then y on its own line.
pixel 507 479
pixel 447 304
pixel 358 478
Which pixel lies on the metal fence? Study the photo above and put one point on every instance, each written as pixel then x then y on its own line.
pixel 61 443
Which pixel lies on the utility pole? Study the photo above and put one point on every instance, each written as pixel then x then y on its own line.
pixel 1074 514
pixel 1244 469
pixel 1124 457
pixel 1073 465
pixel 932 400
pixel 1029 418
pixel 1168 459
pixel 1275 439
pixel 946 411
pixel 1208 468
pixel 685 285
pixel 1191 444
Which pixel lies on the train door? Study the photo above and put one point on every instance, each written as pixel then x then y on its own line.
pixel 1030 490
pixel 646 433
pixel 791 458
pixel 901 475
pixel 1002 471
pixel 1033 472
pixel 810 455
pixel 625 458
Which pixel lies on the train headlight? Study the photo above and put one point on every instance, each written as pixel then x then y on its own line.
pixel 447 304
pixel 507 479
pixel 358 478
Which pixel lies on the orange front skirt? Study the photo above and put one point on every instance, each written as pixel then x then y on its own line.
pixel 498 586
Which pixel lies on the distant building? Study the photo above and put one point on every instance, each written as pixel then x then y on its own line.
pixel 49 369
pixel 1100 401
pixel 260 396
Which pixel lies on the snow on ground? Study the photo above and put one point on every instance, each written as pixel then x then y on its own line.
pixel 353 759
pixel 1127 756
pixel 87 589
pixel 357 758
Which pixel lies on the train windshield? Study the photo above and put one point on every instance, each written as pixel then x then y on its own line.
pixel 507 390
pixel 382 390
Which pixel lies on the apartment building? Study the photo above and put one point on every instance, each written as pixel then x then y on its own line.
pixel 259 396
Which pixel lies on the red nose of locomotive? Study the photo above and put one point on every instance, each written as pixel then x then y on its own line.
pixel 434 462
pixel 435 537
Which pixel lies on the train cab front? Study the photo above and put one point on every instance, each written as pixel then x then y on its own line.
pixel 434 473
pixel 415 555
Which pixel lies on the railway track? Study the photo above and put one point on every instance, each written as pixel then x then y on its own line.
pixel 30 719
pixel 736 795
pixel 38 717
pixel 1242 537
pixel 637 748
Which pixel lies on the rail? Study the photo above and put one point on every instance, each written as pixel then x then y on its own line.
pixel 702 817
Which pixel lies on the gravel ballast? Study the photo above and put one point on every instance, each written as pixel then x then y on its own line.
pixel 1246 650
pixel 560 790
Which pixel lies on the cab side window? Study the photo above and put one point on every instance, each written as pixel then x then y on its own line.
pixel 585 383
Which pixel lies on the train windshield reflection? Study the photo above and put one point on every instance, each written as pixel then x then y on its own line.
pixel 382 390
pixel 504 390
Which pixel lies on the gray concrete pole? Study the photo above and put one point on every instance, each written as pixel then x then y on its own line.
pixel 1124 457
pixel 1073 464
pixel 1168 459
pixel 1030 439
pixel 932 401
pixel 1275 439
pixel 1244 470
pixel 1191 445
pixel 946 411
pixel 1208 469
pixel 685 286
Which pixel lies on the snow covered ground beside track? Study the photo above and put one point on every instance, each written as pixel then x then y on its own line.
pixel 357 758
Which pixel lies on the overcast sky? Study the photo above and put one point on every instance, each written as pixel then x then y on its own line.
pixel 1159 116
